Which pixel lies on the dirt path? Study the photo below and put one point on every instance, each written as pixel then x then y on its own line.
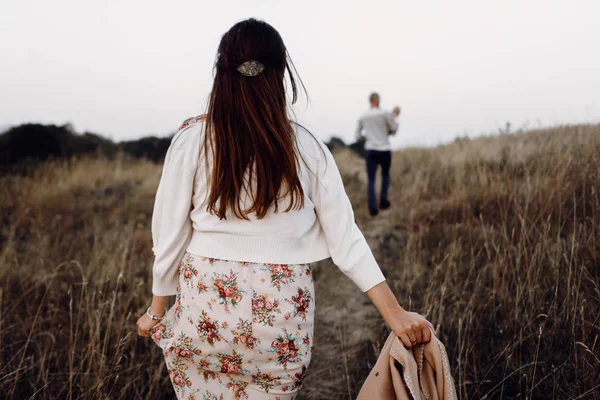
pixel 348 327
pixel 375 227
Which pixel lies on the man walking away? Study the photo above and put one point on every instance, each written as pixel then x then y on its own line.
pixel 377 125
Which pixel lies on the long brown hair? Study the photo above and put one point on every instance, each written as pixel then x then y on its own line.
pixel 250 139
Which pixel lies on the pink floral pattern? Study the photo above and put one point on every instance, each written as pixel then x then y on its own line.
pixel 265 381
pixel 162 332
pixel 179 376
pixel 208 329
pixel 207 395
pixel 281 274
pixel 238 389
pixel 301 302
pixel 265 310
pixel 206 372
pixel 227 290
pixel 237 326
pixel 177 309
pixel 286 348
pixel 187 270
pixel 299 377
pixel 231 364
pixel 242 334
pixel 184 347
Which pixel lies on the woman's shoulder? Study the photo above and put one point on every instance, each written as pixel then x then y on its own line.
pixel 192 120
pixel 308 143
pixel 189 132
pixel 314 153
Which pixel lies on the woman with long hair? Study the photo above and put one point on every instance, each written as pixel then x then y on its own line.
pixel 246 201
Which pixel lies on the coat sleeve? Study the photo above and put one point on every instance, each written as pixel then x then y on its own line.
pixel 171 223
pixel 347 245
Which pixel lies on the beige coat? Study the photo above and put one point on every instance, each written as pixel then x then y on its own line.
pixel 422 373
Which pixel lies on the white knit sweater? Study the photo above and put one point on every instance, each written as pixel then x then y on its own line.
pixel 324 228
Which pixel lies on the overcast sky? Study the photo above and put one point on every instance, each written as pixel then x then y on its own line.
pixel 131 68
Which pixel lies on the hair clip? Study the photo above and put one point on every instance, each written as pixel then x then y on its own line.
pixel 251 68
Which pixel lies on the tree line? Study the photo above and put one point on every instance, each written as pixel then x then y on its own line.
pixel 28 145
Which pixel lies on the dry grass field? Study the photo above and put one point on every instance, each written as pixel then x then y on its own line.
pixel 496 240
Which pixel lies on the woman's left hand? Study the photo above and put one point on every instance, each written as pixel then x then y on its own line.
pixel 410 327
pixel 145 324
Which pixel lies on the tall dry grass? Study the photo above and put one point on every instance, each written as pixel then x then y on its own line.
pixel 495 239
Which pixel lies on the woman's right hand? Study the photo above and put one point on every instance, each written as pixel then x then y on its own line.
pixel 410 327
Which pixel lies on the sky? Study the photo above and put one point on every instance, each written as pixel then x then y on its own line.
pixel 130 68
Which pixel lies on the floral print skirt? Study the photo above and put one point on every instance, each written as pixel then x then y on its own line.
pixel 238 330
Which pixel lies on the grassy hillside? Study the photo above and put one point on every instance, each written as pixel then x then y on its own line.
pixel 496 240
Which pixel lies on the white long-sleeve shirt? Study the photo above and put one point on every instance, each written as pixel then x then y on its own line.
pixel 324 228
pixel 377 125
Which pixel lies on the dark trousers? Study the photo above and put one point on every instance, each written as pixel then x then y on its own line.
pixel 375 158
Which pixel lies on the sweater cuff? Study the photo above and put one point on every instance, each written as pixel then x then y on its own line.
pixel 365 277
pixel 164 287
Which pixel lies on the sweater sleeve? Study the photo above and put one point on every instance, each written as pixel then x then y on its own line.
pixel 171 223
pixel 347 245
